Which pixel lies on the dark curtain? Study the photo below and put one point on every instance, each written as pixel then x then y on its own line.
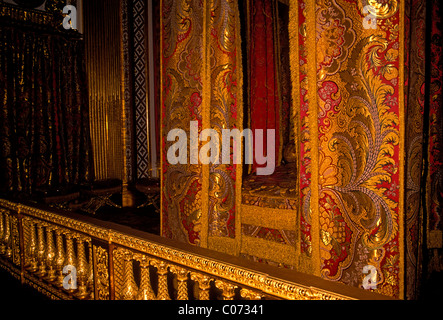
pixel 265 110
pixel 44 125
pixel 424 157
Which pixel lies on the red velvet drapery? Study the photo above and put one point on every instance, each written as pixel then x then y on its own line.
pixel 264 92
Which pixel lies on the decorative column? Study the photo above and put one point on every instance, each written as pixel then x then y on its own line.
pixel 41 248
pixel 162 271
pixel 50 254
pixel 204 283
pixel 59 257
pixel 145 292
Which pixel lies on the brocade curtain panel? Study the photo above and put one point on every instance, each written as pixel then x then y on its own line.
pixel 44 131
pixel 264 90
pixel 424 136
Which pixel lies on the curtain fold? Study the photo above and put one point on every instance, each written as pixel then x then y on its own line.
pixel 201 81
pixel 424 162
pixel 265 110
pixel 44 131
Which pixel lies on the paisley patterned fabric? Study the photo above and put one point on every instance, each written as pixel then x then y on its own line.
pixel 201 81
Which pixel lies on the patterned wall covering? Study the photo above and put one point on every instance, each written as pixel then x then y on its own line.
pixel 140 74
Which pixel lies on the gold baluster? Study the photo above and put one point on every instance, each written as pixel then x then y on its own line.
pixel 228 290
pixel 32 248
pixel 82 270
pixel 162 272
pixel 204 283
pixel 250 294
pixel 145 292
pixel 182 279
pixel 50 254
pixel 70 259
pixel 70 254
pixel 2 233
pixel 90 271
pixel 41 250
pixel 59 257
pixel 129 288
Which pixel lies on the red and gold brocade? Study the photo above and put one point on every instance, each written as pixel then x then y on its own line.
pixel 359 100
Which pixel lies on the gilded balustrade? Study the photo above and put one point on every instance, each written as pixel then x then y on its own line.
pixel 37 244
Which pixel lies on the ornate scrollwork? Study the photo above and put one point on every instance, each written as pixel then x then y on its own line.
pixel 73 237
pixel 102 274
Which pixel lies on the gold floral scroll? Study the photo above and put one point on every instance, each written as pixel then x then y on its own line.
pixel 351 139
pixel 415 15
pixel 225 112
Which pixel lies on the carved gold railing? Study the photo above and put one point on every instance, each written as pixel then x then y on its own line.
pixel 117 263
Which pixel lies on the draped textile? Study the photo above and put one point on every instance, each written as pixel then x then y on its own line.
pixel 370 135
pixel 372 146
pixel 44 131
pixel 424 108
pixel 201 81
pixel 265 112
pixel 435 132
